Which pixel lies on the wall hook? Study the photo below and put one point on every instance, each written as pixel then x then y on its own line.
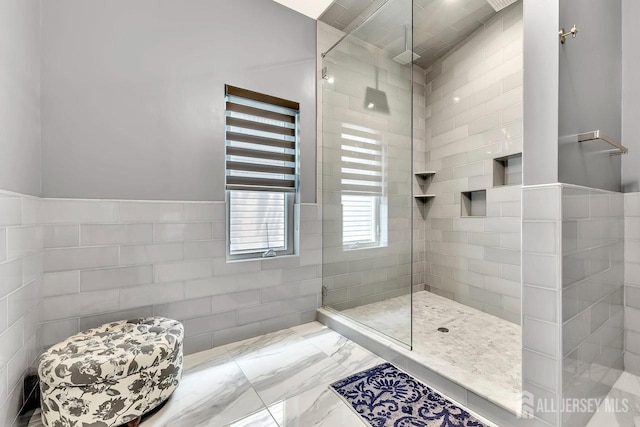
pixel 563 36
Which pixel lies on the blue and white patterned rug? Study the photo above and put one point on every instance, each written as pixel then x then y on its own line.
pixel 387 397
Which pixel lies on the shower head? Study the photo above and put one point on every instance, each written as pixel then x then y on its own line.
pixel 498 5
pixel 376 100
pixel 406 57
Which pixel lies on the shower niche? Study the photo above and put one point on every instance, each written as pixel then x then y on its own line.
pixel 507 170
pixel 473 203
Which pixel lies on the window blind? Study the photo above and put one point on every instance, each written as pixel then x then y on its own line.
pixel 361 182
pixel 257 221
pixel 359 219
pixel 261 141
pixel 361 161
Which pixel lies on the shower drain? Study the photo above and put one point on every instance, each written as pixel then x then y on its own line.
pixel 444 330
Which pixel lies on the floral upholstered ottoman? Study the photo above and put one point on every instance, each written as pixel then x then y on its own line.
pixel 111 375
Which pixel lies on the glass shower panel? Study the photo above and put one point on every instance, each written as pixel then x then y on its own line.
pixel 367 172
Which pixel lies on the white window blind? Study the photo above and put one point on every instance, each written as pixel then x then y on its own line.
pixel 362 181
pixel 361 160
pixel 359 220
pixel 261 172
pixel 257 221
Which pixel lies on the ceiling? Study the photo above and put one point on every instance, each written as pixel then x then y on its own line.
pixel 439 25
pixel 312 9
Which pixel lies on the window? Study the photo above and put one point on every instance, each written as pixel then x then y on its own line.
pixel 360 224
pixel 361 181
pixel 261 173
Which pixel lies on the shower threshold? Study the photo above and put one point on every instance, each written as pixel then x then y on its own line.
pixel 475 357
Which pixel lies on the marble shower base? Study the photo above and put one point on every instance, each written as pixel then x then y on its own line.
pixel 480 352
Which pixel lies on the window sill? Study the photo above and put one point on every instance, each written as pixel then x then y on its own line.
pixel 363 248
pixel 259 258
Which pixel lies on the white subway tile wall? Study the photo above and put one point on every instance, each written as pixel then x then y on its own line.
pixel 474 115
pixel 632 282
pixel 542 299
pixel 21 268
pixel 573 294
pixel 592 293
pixel 109 260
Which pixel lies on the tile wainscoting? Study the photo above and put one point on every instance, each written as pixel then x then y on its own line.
pixel 68 264
pixel 106 260
pixel 20 297
pixel 572 329
pixel 632 282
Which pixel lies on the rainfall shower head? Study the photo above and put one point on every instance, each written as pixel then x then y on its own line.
pixel 498 5
pixel 408 55
pixel 376 100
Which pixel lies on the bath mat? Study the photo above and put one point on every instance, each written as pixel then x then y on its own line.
pixel 387 397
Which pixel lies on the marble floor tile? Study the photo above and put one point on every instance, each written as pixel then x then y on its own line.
pixel 261 418
pixel 344 351
pixel 276 380
pixel 262 344
pixel 626 391
pixel 319 406
pixel 628 383
pixel 213 392
pixel 261 359
pixel 36 419
pixel 304 367
pixel 213 355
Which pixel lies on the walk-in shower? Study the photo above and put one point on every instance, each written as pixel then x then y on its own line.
pixel 421 197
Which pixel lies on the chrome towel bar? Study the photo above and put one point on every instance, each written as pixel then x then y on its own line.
pixel 596 134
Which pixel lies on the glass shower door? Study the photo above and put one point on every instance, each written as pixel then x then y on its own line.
pixel 367 173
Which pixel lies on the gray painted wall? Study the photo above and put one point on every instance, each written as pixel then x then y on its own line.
pixel 20 298
pixel 20 96
pixel 590 93
pixel 132 93
pixel 630 95
pixel 540 152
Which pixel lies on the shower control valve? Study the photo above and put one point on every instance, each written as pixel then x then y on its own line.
pixel 573 32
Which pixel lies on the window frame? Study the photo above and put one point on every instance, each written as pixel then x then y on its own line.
pixel 289 231
pixel 291 220
pixel 377 242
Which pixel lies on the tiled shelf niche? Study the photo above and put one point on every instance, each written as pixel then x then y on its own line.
pixel 473 203
pixel 507 170
pixel 424 177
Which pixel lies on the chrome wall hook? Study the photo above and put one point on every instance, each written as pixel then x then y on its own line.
pixel 563 36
